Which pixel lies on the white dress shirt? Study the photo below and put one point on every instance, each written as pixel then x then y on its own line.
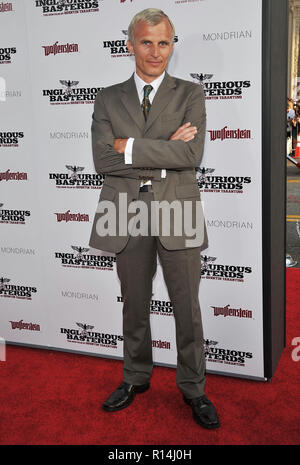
pixel 140 90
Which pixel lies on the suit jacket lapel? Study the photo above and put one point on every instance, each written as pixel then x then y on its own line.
pixel 131 102
pixel 163 96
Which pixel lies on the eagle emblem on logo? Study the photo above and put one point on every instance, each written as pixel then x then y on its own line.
pixel 69 84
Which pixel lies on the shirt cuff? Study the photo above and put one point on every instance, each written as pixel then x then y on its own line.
pixel 128 151
pixel 163 173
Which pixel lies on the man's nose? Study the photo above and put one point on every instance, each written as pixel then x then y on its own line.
pixel 155 50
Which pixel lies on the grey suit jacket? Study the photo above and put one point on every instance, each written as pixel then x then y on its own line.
pixel 118 114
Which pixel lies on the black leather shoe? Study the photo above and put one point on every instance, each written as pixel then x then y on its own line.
pixel 123 396
pixel 204 413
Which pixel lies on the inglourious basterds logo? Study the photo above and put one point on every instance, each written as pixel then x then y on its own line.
pixel 210 269
pixel 161 307
pixel 208 182
pixel 79 258
pixel 157 307
pixel 70 94
pixel 67 7
pixel 224 355
pixel 218 90
pixel 6 54
pixel 118 46
pixel 84 335
pixel 75 179
pixel 10 138
pixel 15 291
pixel 13 216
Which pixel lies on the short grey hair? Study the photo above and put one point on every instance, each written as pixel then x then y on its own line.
pixel 151 16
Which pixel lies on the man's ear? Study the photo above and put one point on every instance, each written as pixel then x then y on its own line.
pixel 130 47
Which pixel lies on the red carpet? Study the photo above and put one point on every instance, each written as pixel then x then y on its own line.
pixel 50 397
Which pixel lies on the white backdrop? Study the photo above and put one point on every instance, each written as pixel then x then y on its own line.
pixel 54 56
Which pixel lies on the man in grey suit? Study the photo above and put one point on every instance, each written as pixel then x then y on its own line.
pixel 148 136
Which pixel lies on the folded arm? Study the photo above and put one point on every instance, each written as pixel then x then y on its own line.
pixel 177 152
pixel 107 159
pixel 183 150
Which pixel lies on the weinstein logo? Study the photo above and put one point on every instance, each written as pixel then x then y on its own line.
pixel 13 176
pixel 67 216
pixel 57 48
pixel 228 311
pixel 28 326
pixel 224 134
pixel 158 344
pixel 5 6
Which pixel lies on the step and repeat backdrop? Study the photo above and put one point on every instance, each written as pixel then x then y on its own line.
pixel 57 292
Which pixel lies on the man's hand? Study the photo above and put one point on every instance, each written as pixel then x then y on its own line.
pixel 120 144
pixel 186 132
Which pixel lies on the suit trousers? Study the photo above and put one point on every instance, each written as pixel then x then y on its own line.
pixel 136 267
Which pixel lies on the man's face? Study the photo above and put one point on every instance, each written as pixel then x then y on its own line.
pixel 152 48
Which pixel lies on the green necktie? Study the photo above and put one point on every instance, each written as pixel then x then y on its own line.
pixel 146 105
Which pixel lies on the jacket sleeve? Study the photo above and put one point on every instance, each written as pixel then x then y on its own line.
pixel 106 159
pixel 175 154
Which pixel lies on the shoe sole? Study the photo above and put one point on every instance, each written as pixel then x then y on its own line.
pixel 137 390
